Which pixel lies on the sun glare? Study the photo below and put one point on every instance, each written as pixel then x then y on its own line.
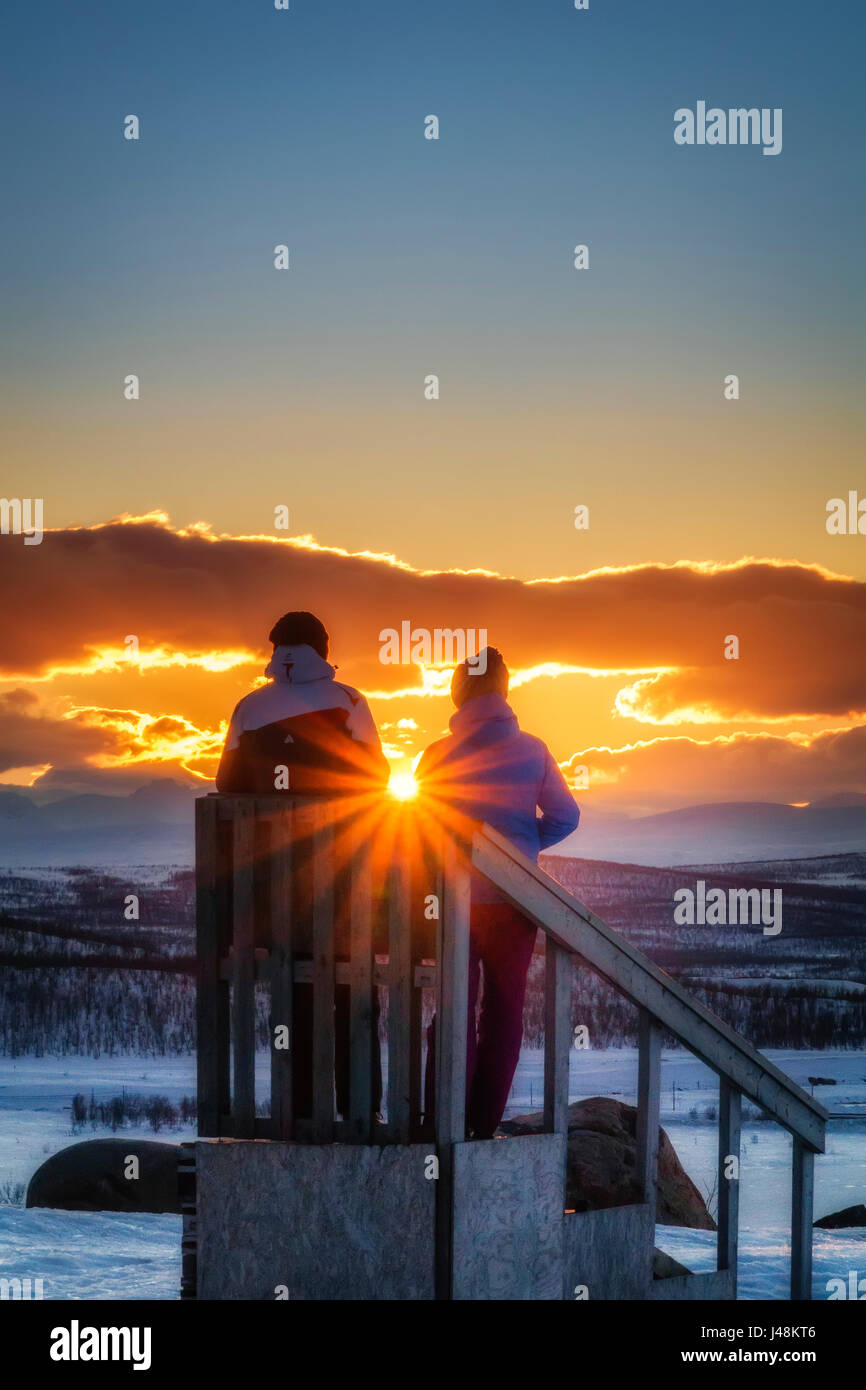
pixel 403 786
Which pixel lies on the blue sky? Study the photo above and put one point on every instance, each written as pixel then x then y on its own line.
pixel 409 256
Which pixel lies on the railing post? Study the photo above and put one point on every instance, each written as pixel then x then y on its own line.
pixel 557 1035
pixel 243 971
pixel 648 1108
pixel 728 1187
pixel 802 1197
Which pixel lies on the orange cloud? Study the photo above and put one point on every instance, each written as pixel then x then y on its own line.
pixel 801 629
pixel 645 775
pixel 203 604
pixel 33 738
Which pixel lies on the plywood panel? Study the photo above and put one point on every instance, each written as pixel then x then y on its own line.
pixel 325 1221
pixel 609 1253
pixel 508 1218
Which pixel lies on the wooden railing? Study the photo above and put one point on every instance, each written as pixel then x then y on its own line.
pixel 304 898
pixel 572 929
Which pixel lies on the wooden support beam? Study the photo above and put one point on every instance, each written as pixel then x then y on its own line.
pixel 453 1008
pixel 359 1121
pixel 212 1033
pixel 243 972
pixel 423 976
pixel 451 1031
pixel 281 971
pixel 425 878
pixel 802 1203
pixel 728 1187
pixel 400 991
pixel 648 1108
pixel 323 978
pixel 557 1036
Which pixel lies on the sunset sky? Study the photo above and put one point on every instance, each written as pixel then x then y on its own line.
pixel 409 257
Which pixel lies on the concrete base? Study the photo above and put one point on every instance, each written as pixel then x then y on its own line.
pixel 609 1253
pixel 508 1196
pixel 311 1221
pixel 342 1221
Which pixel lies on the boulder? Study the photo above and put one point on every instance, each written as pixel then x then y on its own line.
pixel 601 1163
pixel 90 1177
pixel 666 1267
pixel 839 1220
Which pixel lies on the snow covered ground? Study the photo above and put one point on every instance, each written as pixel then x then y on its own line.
pixel 84 1255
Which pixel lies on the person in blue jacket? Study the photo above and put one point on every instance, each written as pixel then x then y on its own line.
pixel 488 769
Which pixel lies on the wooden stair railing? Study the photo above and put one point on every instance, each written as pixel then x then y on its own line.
pixel 572 930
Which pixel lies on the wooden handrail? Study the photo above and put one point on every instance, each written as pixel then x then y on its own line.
pixel 570 925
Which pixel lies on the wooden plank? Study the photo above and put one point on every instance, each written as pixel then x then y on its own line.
pixel 323 978
pixel 648 1108
pixel 400 992
pixel 728 1188
pixel 210 1046
pixel 423 976
pixel 557 1036
pixel 802 1202
pixel 243 972
pixel 453 1006
pixel 577 929
pixel 359 1121
pixel 281 972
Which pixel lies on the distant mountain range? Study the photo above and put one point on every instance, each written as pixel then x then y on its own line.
pixel 154 825
pixel 722 832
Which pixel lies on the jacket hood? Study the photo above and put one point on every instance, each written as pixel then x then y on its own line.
pixel 485 719
pixel 297 665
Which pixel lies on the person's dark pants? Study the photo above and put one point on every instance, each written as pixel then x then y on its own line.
pixel 302 1051
pixel 501 942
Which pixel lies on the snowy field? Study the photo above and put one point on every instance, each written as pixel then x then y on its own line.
pixel 85 1255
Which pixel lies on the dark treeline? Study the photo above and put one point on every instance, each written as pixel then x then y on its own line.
pixel 130 1108
pixel 88 982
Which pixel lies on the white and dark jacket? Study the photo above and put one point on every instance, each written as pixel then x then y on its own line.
pixel 321 730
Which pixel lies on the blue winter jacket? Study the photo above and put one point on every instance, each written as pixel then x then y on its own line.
pixel 489 770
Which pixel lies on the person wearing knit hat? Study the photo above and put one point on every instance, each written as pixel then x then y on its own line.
pixel 484 674
pixel 488 769
pixel 321 733
pixel 319 730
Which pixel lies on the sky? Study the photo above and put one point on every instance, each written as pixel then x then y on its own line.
pixel 558 387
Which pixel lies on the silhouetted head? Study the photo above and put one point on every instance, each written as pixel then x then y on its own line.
pixel 484 674
pixel 300 629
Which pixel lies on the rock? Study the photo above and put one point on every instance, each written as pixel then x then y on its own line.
pixel 848 1216
pixel 601 1163
pixel 666 1267
pixel 90 1177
